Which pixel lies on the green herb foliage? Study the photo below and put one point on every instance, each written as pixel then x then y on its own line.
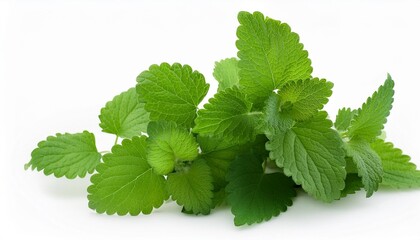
pixel 259 139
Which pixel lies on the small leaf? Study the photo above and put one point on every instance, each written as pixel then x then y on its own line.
pixel 254 195
pixel 172 92
pixel 370 120
pixel 68 155
pixel 226 72
pixel 353 184
pixel 228 114
pixel 168 145
pixel 344 118
pixel 125 183
pixel 124 116
pixel 306 97
pixel 368 164
pixel 399 172
pixel 192 188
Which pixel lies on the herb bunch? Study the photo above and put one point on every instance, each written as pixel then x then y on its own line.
pixel 259 139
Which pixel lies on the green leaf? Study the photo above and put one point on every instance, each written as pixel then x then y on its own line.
pixel 370 120
pixel 311 152
pixel 68 155
pixel 368 164
pixel 305 97
pixel 172 92
pixel 226 72
pixel 192 187
pixel 270 55
pixel 399 172
pixel 125 183
pixel 353 184
pixel 124 116
pixel 169 145
pixel 228 114
pixel 344 118
pixel 254 195
pixel 218 154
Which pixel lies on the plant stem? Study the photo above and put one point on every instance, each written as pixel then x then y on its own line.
pixel 116 140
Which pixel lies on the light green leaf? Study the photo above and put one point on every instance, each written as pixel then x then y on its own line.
pixel 172 92
pixel 305 97
pixel 311 152
pixel 169 145
pixel 226 72
pixel 368 164
pixel 125 183
pixel 353 184
pixel 254 195
pixel 124 116
pixel 68 155
pixel 192 187
pixel 344 118
pixel 370 120
pixel 399 172
pixel 270 55
pixel 228 114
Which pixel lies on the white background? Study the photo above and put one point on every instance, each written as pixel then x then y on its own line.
pixel 60 61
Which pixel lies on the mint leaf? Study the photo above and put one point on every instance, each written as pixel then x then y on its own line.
pixel 368 164
pixel 124 116
pixel 305 97
pixel 399 172
pixel 69 155
pixel 270 55
pixel 370 120
pixel 192 187
pixel 172 92
pixel 254 195
pixel 228 114
pixel 353 184
pixel 344 118
pixel 226 72
pixel 125 183
pixel 311 153
pixel 169 145
pixel 218 154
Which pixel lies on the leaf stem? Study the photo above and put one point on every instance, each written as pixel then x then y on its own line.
pixel 116 140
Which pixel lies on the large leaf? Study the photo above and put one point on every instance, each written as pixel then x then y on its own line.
pixel 68 155
pixel 270 55
pixel 125 183
pixel 172 92
pixel 254 195
pixel 124 116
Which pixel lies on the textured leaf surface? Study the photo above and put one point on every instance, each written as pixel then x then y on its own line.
pixel 305 97
pixel 192 188
pixel 226 72
pixel 270 55
pixel 172 92
pixel 370 120
pixel 124 116
pixel 228 114
pixel 125 183
pixel 344 118
pixel 218 154
pixel 399 172
pixel 68 155
pixel 368 164
pixel 255 196
pixel 169 144
pixel 353 184
pixel 311 152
